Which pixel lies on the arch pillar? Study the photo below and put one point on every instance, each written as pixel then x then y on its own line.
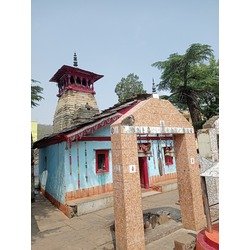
pixel 152 116
pixel 188 180
pixel 129 230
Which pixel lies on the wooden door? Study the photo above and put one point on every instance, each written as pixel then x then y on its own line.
pixel 143 166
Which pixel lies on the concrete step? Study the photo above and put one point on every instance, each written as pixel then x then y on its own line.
pixel 91 204
pixel 149 193
pixel 152 235
pixel 166 186
pixel 179 239
pixel 161 231
pixel 98 202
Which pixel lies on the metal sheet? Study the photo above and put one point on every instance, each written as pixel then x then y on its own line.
pixel 212 172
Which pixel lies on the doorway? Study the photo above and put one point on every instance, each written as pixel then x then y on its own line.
pixel 143 166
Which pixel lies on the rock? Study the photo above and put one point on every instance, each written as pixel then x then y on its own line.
pixel 163 218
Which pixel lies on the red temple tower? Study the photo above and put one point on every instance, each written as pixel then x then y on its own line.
pixel 76 103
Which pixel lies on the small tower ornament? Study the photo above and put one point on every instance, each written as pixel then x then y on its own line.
pixel 153 87
pixel 75 89
pixel 75 63
pixel 154 93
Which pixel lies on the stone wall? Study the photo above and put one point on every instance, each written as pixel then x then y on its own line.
pixel 74 107
pixel 208 139
pixel 211 182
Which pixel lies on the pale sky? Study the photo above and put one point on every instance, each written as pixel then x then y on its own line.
pixel 114 38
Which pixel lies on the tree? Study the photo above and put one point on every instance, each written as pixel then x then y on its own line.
pixel 209 99
pixel 129 87
pixel 36 92
pixel 193 81
pixel 36 96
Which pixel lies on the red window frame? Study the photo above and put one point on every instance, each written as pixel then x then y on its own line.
pixel 105 168
pixel 169 160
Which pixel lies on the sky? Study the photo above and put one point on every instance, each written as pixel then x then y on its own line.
pixel 114 38
pixel 155 30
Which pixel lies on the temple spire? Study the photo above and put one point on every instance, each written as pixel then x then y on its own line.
pixel 75 63
pixel 153 87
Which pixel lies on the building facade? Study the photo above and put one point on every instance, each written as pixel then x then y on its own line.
pixel 76 163
pixel 76 97
pixel 76 160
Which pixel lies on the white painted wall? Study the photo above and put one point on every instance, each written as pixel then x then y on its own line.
pixel 204 144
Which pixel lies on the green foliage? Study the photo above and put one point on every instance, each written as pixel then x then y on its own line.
pixel 129 87
pixel 36 92
pixel 193 81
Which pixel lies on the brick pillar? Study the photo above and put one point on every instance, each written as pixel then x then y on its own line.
pixel 189 186
pixel 129 229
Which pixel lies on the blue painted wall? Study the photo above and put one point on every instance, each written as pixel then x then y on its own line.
pixel 93 179
pixel 52 174
pixel 152 163
pixel 57 179
pixel 153 166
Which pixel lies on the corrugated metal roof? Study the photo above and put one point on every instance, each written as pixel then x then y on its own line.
pixel 104 114
pixel 212 172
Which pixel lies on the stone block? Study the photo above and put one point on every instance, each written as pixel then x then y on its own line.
pixel 94 205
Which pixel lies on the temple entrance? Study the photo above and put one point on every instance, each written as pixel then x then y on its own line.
pixel 150 119
pixel 143 166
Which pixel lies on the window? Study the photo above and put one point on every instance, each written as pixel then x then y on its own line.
pixel 83 82
pixel 102 161
pixel 72 80
pixel 78 80
pixel 168 160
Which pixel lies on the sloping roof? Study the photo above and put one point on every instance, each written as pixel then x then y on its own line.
pixel 44 130
pixel 65 69
pixel 115 111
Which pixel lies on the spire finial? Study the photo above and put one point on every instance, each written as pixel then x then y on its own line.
pixel 153 87
pixel 75 63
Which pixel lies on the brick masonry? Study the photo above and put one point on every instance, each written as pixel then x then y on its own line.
pixel 126 183
pixel 107 188
pixel 71 109
pixel 129 229
pixel 87 192
pixel 64 208
pixel 188 179
pixel 157 178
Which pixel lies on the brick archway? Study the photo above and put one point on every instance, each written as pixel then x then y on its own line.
pixel 152 116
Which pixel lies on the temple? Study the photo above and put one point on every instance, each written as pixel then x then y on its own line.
pixel 139 144
pixel 76 103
